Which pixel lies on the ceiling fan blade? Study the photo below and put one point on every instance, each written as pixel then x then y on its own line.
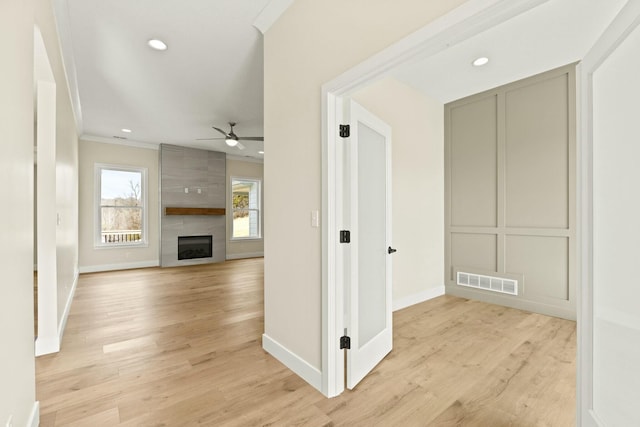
pixel 209 139
pixel 220 130
pixel 239 146
pixel 251 138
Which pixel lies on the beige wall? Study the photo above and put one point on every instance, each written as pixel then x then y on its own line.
pixel 510 188
pixel 17 388
pixel 102 259
pixel 91 259
pixel 312 43
pixel 243 248
pixel 418 186
pixel 17 370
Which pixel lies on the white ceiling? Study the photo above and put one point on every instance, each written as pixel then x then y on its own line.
pixel 556 33
pixel 210 74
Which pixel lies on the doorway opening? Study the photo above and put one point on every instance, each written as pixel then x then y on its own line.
pixel 438 41
pixel 463 23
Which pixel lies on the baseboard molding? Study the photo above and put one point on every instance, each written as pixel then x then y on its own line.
pixel 307 372
pixel 245 255
pixel 65 315
pixel 121 266
pixel 47 345
pixel 592 420
pixel 417 298
pixel 34 417
pixel 568 313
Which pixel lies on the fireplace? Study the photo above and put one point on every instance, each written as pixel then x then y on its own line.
pixel 190 247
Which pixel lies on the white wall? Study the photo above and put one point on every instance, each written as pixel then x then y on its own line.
pixel 66 171
pixel 616 228
pixel 17 370
pixel 243 248
pixel 312 43
pixel 102 259
pixel 418 187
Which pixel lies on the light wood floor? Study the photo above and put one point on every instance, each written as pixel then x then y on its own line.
pixel 181 346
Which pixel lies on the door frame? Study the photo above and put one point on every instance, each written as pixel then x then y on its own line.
pixel 623 24
pixel 465 21
pixel 49 330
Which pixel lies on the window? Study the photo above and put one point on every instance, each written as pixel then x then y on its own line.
pixel 120 206
pixel 245 202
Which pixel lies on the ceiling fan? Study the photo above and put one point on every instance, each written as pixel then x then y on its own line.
pixel 231 138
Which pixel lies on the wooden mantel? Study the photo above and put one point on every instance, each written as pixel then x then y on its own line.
pixel 194 211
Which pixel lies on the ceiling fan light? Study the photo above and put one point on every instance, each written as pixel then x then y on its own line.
pixel 231 142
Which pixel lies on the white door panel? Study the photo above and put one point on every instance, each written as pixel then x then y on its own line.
pixel 368 290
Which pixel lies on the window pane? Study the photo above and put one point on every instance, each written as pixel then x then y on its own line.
pixel 121 224
pixel 121 188
pixel 121 206
pixel 253 220
pixel 241 224
pixel 246 208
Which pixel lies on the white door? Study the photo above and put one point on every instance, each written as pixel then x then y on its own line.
pixel 608 319
pixel 368 316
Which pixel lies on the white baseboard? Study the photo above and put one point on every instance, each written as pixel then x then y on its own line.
pixel 245 255
pixel 591 420
pixel 47 345
pixel 34 417
pixel 417 298
pixel 307 372
pixel 120 266
pixel 65 315
pixel 52 344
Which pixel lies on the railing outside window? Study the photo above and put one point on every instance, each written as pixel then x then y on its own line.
pixel 122 236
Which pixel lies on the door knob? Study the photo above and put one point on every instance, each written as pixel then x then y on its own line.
pixel 391 250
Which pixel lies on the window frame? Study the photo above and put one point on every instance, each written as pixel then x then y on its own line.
pixel 97 220
pixel 258 181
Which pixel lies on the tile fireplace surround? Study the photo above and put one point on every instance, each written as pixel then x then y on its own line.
pixel 192 179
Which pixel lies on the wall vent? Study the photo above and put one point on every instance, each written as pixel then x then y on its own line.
pixel 489 283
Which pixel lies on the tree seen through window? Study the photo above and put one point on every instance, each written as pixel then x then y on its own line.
pixel 121 206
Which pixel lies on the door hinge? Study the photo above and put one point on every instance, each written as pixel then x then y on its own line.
pixel 345 236
pixel 345 342
pixel 345 131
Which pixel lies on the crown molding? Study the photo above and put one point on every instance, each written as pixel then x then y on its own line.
pixel 270 14
pixel 126 142
pixel 244 159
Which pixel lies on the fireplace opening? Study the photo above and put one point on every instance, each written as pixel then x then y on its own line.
pixel 190 247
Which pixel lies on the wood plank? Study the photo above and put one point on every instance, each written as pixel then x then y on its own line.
pixel 194 211
pixel 182 346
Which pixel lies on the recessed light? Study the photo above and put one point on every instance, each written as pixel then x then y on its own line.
pixel 157 44
pixel 479 62
pixel 260 152
pixel 125 130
